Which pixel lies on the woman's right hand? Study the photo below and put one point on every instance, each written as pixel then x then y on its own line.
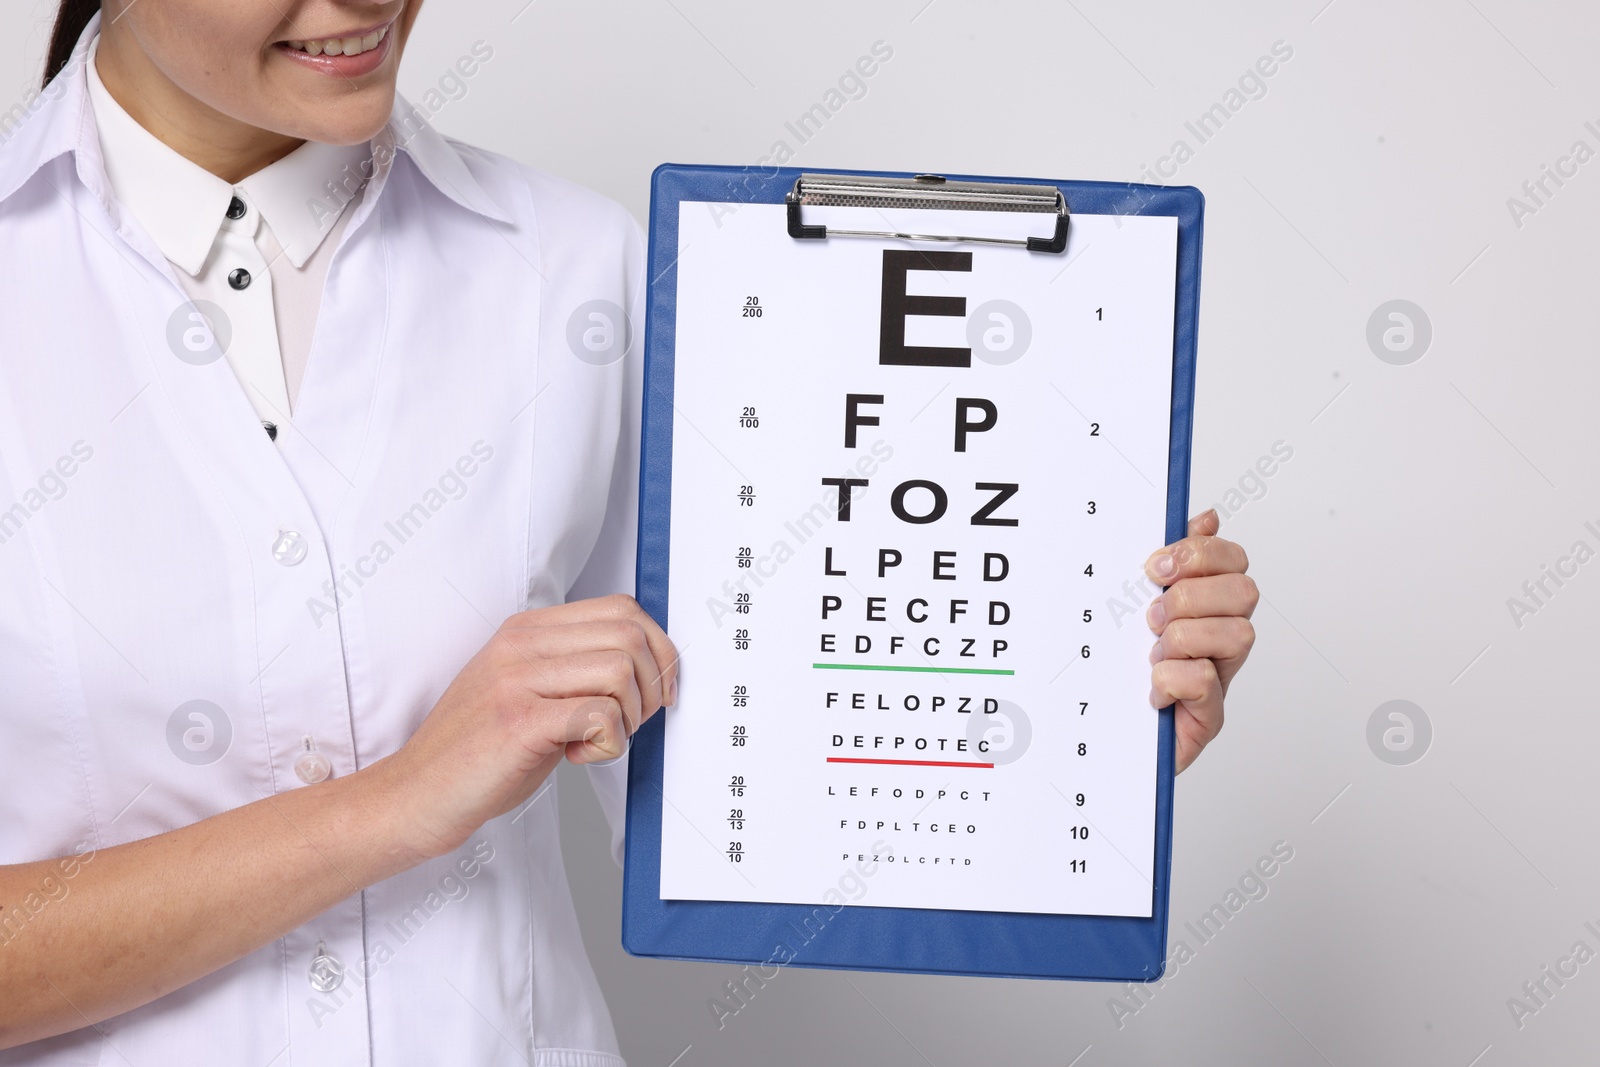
pixel 573 680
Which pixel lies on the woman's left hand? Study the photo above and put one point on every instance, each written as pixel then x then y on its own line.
pixel 1202 624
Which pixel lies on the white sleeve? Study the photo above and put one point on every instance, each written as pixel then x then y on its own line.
pixel 611 565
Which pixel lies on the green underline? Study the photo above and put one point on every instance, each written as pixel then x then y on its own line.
pixel 919 670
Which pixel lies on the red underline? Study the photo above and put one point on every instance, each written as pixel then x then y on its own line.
pixel 907 762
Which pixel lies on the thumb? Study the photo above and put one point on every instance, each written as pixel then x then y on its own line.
pixel 590 729
pixel 1205 524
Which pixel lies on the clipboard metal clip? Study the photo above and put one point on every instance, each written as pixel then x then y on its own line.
pixel 926 191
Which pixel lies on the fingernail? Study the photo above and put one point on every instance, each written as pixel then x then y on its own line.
pixel 1155 653
pixel 1157 615
pixel 1164 565
pixel 1156 701
pixel 672 693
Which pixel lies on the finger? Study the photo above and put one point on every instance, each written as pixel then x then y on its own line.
pixel 1205 524
pixel 1225 641
pixel 623 635
pixel 661 646
pixel 592 728
pixel 618 606
pixel 1195 557
pixel 606 672
pixel 1195 690
pixel 1198 598
pixel 604 747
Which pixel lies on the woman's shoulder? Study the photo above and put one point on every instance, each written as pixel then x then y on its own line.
pixel 558 206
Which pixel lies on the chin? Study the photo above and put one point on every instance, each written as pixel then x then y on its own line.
pixel 343 124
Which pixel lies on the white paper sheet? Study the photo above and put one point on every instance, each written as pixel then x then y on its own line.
pixel 827 719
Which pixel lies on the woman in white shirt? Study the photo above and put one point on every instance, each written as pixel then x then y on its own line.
pixel 291 428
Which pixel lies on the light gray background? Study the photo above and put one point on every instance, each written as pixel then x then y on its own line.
pixel 1419 498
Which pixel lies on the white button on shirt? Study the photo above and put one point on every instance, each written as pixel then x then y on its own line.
pixel 258 273
pixel 183 603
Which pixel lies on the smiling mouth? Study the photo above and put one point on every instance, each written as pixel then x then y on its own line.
pixel 341 46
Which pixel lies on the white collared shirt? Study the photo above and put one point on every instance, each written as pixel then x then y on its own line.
pixel 185 606
pixel 252 256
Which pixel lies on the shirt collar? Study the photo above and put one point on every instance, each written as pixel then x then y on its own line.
pixel 438 158
pixel 53 122
pixel 182 205
pixel 60 119
pixel 179 204
pixel 288 193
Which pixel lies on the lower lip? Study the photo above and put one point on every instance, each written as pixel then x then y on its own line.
pixel 344 66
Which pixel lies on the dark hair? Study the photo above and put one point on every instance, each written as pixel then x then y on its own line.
pixel 73 16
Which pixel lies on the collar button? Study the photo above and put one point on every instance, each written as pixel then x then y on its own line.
pixel 236 208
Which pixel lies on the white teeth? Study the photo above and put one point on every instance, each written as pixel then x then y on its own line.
pixel 342 46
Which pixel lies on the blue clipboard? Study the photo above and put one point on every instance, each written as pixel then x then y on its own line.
pixel 861 937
